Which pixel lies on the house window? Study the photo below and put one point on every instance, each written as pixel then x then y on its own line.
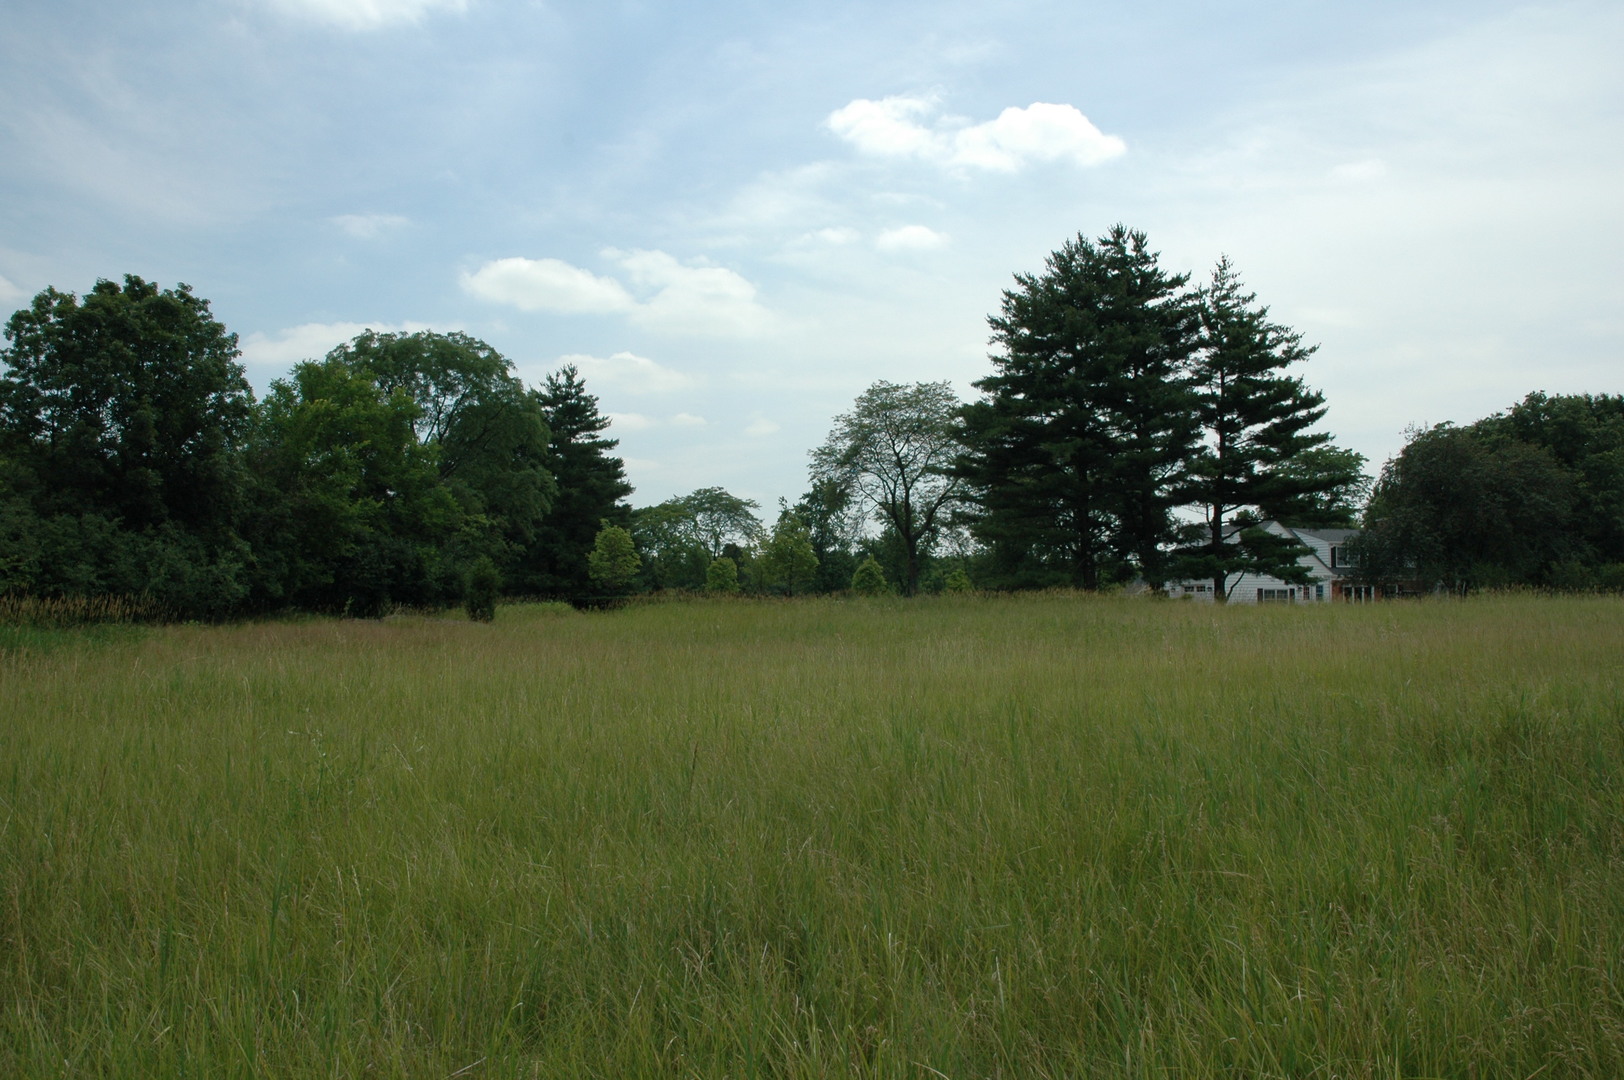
pixel 1319 592
pixel 1340 557
pixel 1276 596
pixel 1199 588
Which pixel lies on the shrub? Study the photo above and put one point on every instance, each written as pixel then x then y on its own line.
pixel 480 586
pixel 722 576
pixel 869 580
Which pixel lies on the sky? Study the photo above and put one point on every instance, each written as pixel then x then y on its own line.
pixel 734 216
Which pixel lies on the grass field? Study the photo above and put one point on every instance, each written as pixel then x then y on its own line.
pixel 1028 837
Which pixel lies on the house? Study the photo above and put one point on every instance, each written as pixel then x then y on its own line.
pixel 1327 562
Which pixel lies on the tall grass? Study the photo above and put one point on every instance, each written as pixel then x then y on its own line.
pixel 961 837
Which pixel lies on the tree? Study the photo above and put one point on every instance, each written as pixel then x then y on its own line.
pixel 482 584
pixel 123 417
pixel 1466 508
pixel 788 560
pixel 869 579
pixel 490 435
pixel 683 535
pixel 722 577
pixel 834 527
pixel 352 515
pixel 1075 454
pixel 1585 434
pixel 1256 422
pixel 130 403
pixel 893 451
pixel 1327 488
pixel 613 562
pixel 591 486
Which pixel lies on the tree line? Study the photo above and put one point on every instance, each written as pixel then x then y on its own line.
pixel 1134 427
pixel 400 469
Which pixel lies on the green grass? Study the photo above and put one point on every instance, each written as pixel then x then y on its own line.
pixel 1026 837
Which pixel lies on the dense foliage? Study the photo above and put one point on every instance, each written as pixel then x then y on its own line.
pixel 1133 427
pixel 400 469
pixel 1532 496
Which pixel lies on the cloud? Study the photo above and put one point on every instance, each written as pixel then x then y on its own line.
pixel 836 237
pixel 547 285
pixel 680 298
pixel 1041 132
pixel 311 341
pixel 692 299
pixel 368 226
pixel 683 419
pixel 630 421
pixel 910 238
pixel 759 427
pixel 9 293
pixel 628 371
pixel 365 14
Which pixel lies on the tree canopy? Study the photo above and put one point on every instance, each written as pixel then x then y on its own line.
pixel 1074 452
pixel 893 453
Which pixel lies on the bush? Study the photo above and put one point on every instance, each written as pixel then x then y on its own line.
pixel 958 582
pixel 480 586
pixel 722 576
pixel 869 580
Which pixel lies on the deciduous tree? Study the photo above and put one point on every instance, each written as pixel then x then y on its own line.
pixel 894 452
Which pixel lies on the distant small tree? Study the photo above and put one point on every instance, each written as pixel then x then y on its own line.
pixel 869 580
pixel 613 562
pixel 481 585
pixel 722 577
pixel 958 582
pixel 788 559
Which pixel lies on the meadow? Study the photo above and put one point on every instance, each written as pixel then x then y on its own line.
pixel 1033 836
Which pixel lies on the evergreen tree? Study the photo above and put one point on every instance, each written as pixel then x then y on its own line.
pixel 1256 422
pixel 591 486
pixel 1076 450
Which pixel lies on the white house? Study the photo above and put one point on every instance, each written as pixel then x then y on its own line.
pixel 1327 564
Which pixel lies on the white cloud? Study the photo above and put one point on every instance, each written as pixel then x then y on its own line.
pixel 628 371
pixel 892 127
pixel 692 299
pixel 9 293
pixel 681 298
pixel 759 427
pixel 311 341
pixel 1359 172
pixel 630 421
pixel 836 237
pixel 368 226
pixel 683 419
pixel 910 238
pixel 365 14
pixel 547 285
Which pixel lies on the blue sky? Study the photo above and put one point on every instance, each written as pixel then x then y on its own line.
pixel 735 216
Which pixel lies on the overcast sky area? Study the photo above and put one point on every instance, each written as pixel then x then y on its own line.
pixel 735 216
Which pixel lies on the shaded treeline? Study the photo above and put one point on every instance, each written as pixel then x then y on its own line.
pixel 135 461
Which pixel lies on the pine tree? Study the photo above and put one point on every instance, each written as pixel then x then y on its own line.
pixel 591 486
pixel 1256 422
pixel 1076 450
